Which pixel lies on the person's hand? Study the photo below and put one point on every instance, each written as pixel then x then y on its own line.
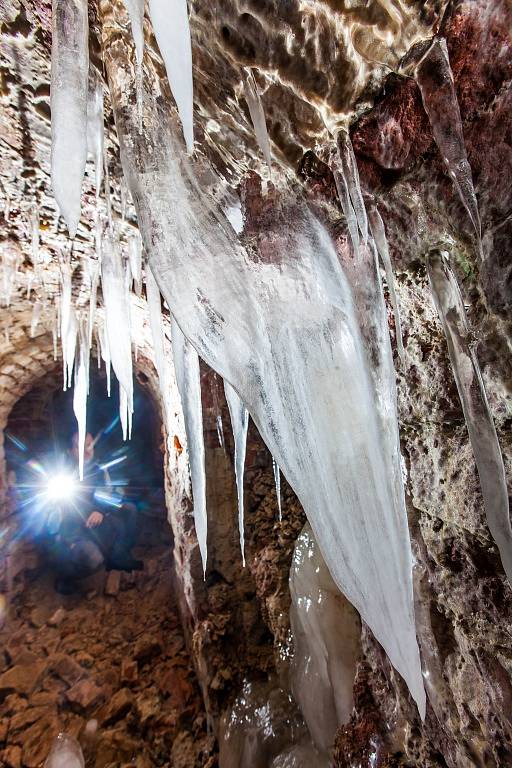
pixel 94 519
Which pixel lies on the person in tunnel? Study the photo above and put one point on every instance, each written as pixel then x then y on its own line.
pixel 94 525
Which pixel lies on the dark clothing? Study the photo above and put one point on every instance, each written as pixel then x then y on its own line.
pixel 78 551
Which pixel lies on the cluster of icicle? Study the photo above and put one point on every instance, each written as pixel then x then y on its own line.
pixel 292 340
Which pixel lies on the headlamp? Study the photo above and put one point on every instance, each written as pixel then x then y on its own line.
pixel 60 487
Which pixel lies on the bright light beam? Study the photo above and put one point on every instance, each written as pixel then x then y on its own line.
pixel 60 487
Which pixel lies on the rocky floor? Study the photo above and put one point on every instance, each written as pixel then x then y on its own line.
pixel 108 667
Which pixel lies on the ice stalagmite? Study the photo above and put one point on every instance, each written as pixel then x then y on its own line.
pixel 351 175
pixel 118 328
pixel 477 414
pixel 284 334
pixel 326 640
pixel 70 72
pixel 239 423
pixel 186 364
pixel 343 194
pixel 253 100
pixel 65 753
pixel 277 480
pixel 435 79
pixel 379 236
pixel 80 395
pixel 95 127
pixel 172 32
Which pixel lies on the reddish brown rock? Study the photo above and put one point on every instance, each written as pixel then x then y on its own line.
pixel 11 757
pixel 113 583
pixel 85 694
pixel 118 706
pixel 65 668
pixel 23 678
pixel 129 671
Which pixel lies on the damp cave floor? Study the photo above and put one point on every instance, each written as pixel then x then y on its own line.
pixel 109 667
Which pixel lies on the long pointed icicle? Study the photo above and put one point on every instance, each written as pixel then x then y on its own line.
pixel 479 421
pixel 239 423
pixel 351 175
pixel 80 395
pixel 155 322
pixel 105 354
pixel 135 258
pixel 175 46
pixel 118 328
pixel 346 204
pixel 70 71
pixel 435 80
pixel 186 364
pixel 277 480
pixel 69 345
pixel 379 235
pixel 135 10
pixel 95 125
pixel 253 100
pixel 285 336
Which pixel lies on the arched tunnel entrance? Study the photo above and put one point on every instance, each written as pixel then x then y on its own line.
pixel 104 661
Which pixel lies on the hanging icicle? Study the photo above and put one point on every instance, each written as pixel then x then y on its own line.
pixel 344 197
pixel 70 72
pixel 105 354
pixel 277 480
pixel 69 347
pixel 135 10
pixel 435 80
pixel 36 316
pixel 379 236
pixel 157 334
pixel 253 100
pixel 80 394
pixel 285 335
pixel 186 364
pixel 239 423
pixel 351 176
pixel 118 329
pixel 135 258
pixel 176 49
pixel 95 125
pixel 65 313
pixel 470 385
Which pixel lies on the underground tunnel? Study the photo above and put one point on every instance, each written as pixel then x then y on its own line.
pixel 255 384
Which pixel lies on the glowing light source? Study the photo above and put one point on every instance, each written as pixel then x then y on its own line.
pixel 60 487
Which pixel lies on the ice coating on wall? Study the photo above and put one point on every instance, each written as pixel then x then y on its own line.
pixel 239 424
pixel 470 385
pixel 435 79
pixel 253 100
pixel 70 72
pixel 379 236
pixel 327 643
pixel 173 38
pixel 186 366
pixel 36 316
pixel 285 336
pixel 135 258
pixel 118 328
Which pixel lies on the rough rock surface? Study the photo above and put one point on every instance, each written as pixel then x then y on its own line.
pixel 236 623
pixel 115 673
